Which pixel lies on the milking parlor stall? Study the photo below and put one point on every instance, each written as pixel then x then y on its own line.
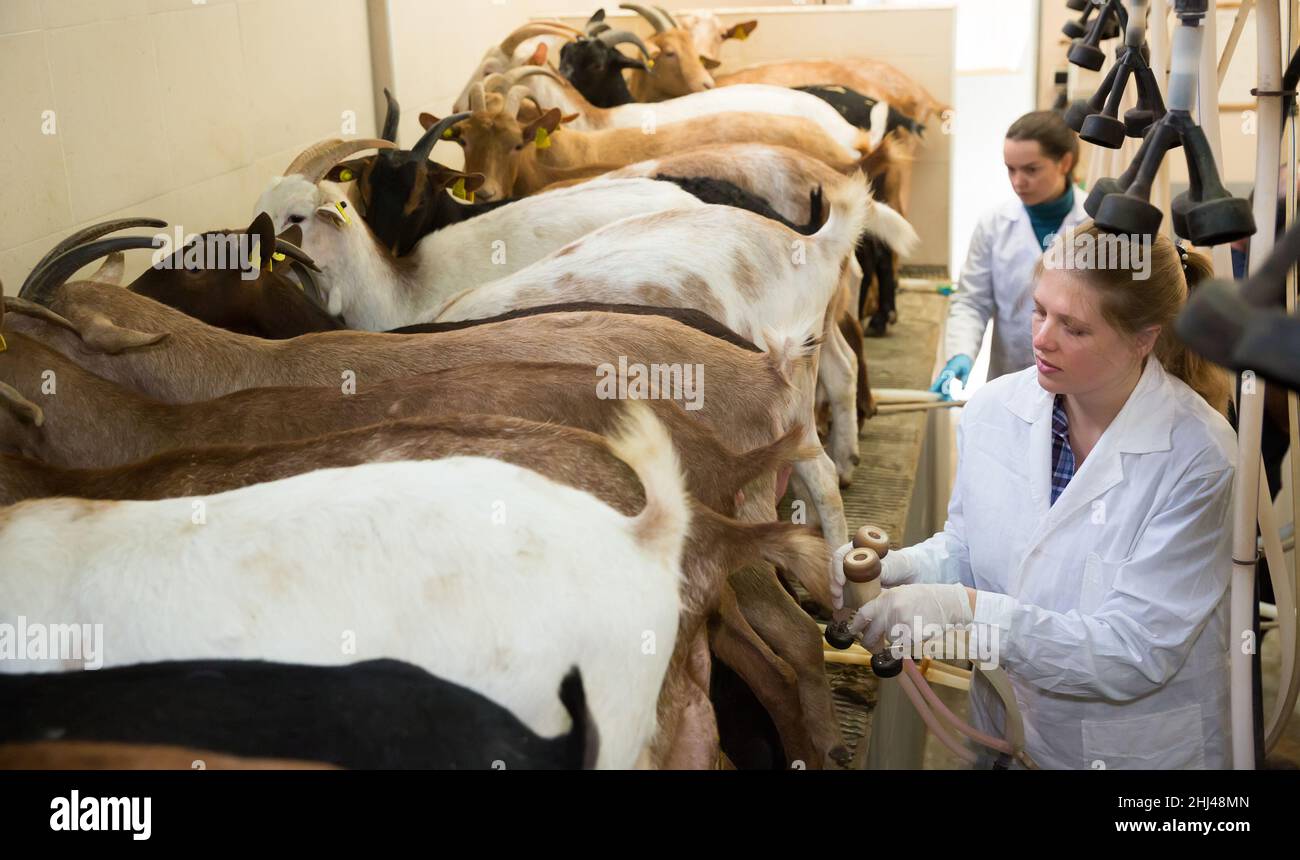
pixel 530 384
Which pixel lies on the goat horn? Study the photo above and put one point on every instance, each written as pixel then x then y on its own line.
pixel 477 97
pixel 15 305
pixel 316 160
pixel 424 145
pixel 667 17
pixel 597 29
pixel 496 83
pixel 89 234
pixel 618 37
pixel 528 31
pixel 298 255
pixel 389 132
pixel 517 74
pixel 45 283
pixel 515 97
pixel 656 20
pixel 310 288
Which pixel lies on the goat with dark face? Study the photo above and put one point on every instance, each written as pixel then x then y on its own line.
pixel 594 65
pixel 219 286
pixel 270 305
pixel 404 192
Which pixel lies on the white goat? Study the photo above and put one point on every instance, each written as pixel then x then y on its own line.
pixel 372 291
pixel 484 573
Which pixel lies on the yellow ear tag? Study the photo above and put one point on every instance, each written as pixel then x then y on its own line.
pixel 448 133
pixel 3 345
pixel 342 207
pixel 649 64
pixel 542 139
pixel 458 190
pixel 345 175
pixel 276 257
pixel 741 34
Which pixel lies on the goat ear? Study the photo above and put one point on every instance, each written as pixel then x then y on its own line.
pixel 348 171
pixel 539 56
pixel 101 334
pixel 264 229
pixel 538 130
pixel 709 63
pixel 474 181
pixel 23 409
pixel 569 117
pixel 740 31
pixel 334 213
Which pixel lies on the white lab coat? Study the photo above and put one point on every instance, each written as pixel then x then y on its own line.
pixel 996 283
pixel 1110 606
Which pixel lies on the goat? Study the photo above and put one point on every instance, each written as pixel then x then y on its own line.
pixel 715 545
pixel 873 78
pixel 595 65
pixel 676 69
pixel 547 88
pixel 130 427
pixel 403 193
pixel 379 714
pixel 501 57
pixel 776 175
pixel 382 555
pixel 744 277
pixel 370 289
pixel 89 755
pixel 170 371
pixel 519 158
pixel 859 110
pixel 270 305
pixel 708 33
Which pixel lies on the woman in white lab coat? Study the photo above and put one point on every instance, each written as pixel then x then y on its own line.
pixel 1040 152
pixel 1088 538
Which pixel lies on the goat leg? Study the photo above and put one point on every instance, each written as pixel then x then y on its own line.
pixel 795 638
pixel 773 683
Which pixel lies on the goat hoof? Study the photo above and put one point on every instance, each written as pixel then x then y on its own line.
pixel 855 459
pixel 841 756
pixel 876 326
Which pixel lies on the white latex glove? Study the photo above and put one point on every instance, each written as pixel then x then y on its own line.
pixel 895 569
pixel 942 604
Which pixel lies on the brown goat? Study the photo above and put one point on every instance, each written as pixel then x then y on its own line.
pixel 676 66
pixel 270 305
pixel 520 158
pixel 127 426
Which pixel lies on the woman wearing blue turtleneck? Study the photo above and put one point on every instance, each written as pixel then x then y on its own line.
pixel 1040 152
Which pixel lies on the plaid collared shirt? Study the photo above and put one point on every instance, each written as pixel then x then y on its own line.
pixel 1062 456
